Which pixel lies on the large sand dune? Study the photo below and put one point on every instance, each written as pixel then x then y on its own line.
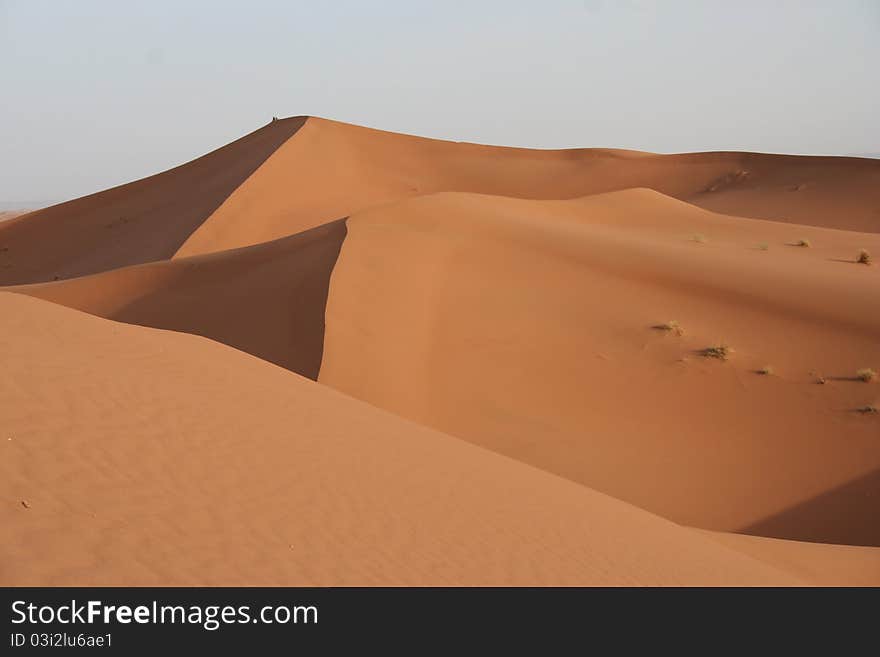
pixel 203 465
pixel 139 222
pixel 526 327
pixel 295 174
pixel 504 303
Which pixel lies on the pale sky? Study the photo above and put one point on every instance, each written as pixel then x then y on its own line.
pixel 100 92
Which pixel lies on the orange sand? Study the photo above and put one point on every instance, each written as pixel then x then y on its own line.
pixel 502 303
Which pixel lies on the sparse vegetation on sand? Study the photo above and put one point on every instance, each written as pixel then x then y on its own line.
pixel 767 370
pixel 803 243
pixel 700 238
pixel 671 326
pixel 866 374
pixel 864 258
pixel 763 246
pixel 719 351
pixel 868 409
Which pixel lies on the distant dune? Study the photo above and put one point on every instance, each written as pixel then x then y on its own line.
pixel 531 332
pixel 10 214
pixel 295 174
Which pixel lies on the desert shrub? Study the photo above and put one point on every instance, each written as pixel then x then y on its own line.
pixel 671 326
pixel 866 374
pixel 719 351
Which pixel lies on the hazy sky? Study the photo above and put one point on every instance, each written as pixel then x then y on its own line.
pixel 100 92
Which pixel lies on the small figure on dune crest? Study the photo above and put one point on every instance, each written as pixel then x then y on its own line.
pixel 671 326
pixel 864 258
pixel 867 375
pixel 719 351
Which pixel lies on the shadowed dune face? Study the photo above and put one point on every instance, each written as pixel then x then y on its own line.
pixel 834 192
pixel 526 327
pixel 139 222
pixel 267 300
pixel 828 517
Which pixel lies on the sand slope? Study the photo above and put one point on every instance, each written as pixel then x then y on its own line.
pixel 526 327
pixel 6 215
pixel 176 460
pixel 139 222
pixel 298 173
pixel 331 170
pixel 821 564
pixel 267 299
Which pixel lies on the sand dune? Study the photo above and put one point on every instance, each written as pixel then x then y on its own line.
pixel 177 460
pixel 298 173
pixel 267 299
pixel 6 215
pixel 480 337
pixel 825 565
pixel 139 222
pixel 331 170
pixel 527 422
pixel 526 327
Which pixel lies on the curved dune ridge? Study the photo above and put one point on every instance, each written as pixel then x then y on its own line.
pixel 512 307
pixel 297 173
pixel 267 299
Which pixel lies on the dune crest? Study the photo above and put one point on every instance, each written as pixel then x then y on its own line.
pixel 298 173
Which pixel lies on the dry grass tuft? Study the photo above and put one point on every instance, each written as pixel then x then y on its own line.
pixel 868 409
pixel 719 351
pixel 864 258
pixel 803 243
pixel 671 326
pixel 767 370
pixel 866 374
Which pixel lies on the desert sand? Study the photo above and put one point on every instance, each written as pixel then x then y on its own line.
pixel 9 214
pixel 326 354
